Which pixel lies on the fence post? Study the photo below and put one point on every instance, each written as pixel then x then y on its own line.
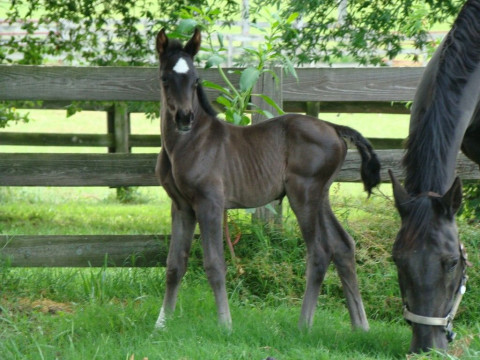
pixel 269 85
pixel 313 108
pixel 118 124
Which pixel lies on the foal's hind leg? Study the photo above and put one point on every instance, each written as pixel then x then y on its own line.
pixel 344 260
pixel 307 209
pixel 183 226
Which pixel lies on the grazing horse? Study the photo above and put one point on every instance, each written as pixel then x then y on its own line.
pixel 445 117
pixel 207 165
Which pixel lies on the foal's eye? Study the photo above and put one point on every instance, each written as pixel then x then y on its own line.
pixel 164 80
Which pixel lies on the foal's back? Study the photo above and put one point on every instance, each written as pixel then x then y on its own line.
pixel 258 160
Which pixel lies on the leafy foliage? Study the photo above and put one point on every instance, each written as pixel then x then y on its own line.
pixel 471 201
pixel 8 113
pixel 95 32
pixel 370 31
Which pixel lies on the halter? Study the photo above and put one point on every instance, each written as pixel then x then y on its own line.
pixel 447 321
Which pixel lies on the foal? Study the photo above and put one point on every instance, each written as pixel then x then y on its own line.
pixel 207 165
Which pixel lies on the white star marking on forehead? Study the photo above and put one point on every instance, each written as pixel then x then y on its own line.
pixel 181 67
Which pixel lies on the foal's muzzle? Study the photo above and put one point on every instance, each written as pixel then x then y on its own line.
pixel 184 120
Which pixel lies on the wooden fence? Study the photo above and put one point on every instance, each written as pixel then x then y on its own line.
pixel 340 90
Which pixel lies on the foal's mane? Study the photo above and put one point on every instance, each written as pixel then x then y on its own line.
pixel 205 104
pixel 428 145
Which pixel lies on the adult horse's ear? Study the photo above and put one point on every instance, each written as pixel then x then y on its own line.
pixel 162 42
pixel 193 45
pixel 400 195
pixel 453 197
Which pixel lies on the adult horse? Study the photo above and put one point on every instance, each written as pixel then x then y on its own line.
pixel 207 165
pixel 430 260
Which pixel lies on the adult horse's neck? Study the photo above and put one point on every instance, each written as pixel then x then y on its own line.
pixel 444 104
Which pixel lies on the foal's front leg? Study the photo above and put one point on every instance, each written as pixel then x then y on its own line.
pixel 183 226
pixel 209 215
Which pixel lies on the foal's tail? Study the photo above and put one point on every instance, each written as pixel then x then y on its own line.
pixel 370 168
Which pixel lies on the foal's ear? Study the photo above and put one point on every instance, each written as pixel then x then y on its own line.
pixel 400 194
pixel 162 42
pixel 453 197
pixel 193 45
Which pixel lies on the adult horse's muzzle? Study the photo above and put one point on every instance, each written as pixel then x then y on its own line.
pixel 445 322
pixel 184 120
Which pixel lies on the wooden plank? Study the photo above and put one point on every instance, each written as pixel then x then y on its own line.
pixel 70 83
pixel 391 159
pixel 37 169
pixel 349 107
pixel 83 250
pixel 106 83
pixel 42 169
pixel 54 139
pixel 352 84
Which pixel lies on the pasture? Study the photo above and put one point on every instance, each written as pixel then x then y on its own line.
pixel 109 313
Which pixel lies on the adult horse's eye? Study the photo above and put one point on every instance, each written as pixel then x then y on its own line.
pixel 451 264
pixel 164 80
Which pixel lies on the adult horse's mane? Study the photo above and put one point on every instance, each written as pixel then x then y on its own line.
pixel 417 225
pixel 433 135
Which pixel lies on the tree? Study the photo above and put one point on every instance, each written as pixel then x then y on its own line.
pixel 369 31
pixel 121 32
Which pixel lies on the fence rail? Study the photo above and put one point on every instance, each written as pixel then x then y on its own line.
pixel 379 89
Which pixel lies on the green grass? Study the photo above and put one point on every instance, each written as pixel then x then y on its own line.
pixel 109 313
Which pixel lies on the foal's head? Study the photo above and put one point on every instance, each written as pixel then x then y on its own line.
pixel 431 263
pixel 179 78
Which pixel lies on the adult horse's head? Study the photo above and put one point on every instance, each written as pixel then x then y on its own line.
pixel 179 79
pixel 431 263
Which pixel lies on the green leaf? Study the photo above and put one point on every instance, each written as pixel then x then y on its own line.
pixel 220 40
pixel 186 26
pixel 245 120
pixel 224 101
pixel 270 102
pixel 249 78
pixel 292 17
pixel 289 67
pixel 237 119
pixel 214 86
pixel 214 60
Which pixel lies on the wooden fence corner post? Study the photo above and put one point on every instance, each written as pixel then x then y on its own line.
pixel 270 85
